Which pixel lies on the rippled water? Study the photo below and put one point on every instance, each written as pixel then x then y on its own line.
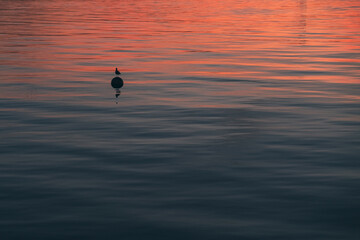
pixel 237 120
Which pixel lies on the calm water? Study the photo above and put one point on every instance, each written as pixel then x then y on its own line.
pixel 237 120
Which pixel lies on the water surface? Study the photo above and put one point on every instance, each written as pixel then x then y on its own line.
pixel 237 120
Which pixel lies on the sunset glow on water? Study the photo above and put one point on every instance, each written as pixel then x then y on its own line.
pixel 237 120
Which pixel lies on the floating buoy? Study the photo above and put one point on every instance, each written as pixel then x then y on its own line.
pixel 117 82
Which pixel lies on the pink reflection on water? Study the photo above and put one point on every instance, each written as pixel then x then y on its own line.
pixel 281 40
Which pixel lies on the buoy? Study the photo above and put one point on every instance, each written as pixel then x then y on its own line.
pixel 117 82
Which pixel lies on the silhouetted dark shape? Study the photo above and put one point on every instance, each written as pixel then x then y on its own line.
pixel 117 72
pixel 117 92
pixel 117 82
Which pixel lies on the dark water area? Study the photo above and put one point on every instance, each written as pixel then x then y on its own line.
pixel 237 119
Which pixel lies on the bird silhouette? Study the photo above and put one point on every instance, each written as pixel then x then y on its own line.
pixel 117 72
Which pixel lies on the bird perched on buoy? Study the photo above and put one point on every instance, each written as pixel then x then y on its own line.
pixel 117 83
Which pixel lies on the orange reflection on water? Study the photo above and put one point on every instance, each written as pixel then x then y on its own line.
pixel 165 41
